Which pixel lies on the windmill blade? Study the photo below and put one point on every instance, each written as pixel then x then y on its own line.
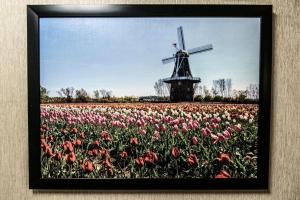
pixel 200 49
pixel 180 38
pixel 168 60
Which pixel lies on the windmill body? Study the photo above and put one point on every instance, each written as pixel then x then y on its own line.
pixel 182 82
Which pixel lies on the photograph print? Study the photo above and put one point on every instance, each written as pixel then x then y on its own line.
pixel 140 98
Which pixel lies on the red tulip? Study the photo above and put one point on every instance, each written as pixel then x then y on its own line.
pixel 224 158
pixel 105 136
pixel 106 163
pixel 192 160
pixel 95 152
pixel 104 153
pixel 123 155
pixel 45 127
pixel 134 141
pixel 48 151
pixel 223 174
pixel 68 147
pixel 96 143
pixel 43 144
pixel 74 130
pixel 71 158
pixel 88 167
pixel 139 162
pixel 51 138
pixel 77 143
pixel 58 156
pixel 82 136
pixel 150 158
pixel 64 131
pixel 175 152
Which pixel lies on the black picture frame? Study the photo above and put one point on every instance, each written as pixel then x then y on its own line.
pixel 35 12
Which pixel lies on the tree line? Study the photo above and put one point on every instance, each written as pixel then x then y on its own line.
pixel 221 91
pixel 72 95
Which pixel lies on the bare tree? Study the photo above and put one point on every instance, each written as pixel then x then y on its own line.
pixel 67 93
pixel 198 89
pixel 219 87
pixel 103 93
pixel 206 91
pixel 108 94
pixel 214 91
pixel 96 94
pixel 44 93
pixel 222 87
pixel 253 91
pixel 81 95
pixel 161 88
pixel 228 87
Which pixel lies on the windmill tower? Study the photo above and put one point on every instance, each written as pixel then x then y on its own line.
pixel 182 81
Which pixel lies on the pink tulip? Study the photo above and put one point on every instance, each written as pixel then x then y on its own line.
pixel 184 129
pixel 194 140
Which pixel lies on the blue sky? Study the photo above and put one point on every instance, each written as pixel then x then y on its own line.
pixel 124 54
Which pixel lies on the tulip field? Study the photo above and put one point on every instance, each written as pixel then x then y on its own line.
pixel 149 140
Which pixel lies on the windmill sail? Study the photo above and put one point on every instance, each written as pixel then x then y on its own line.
pixel 168 60
pixel 180 38
pixel 200 49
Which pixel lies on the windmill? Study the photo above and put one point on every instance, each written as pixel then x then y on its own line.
pixel 182 81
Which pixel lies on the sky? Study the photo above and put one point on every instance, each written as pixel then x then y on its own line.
pixel 124 54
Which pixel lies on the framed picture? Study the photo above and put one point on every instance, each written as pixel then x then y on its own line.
pixel 149 97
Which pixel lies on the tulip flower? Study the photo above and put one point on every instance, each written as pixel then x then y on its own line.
pixel 82 136
pixel 88 167
pixel 71 158
pixel 184 129
pixel 106 163
pixel 224 158
pixel 74 130
pixel 175 152
pixel 124 155
pixel 49 152
pixel 150 157
pixel 77 143
pixel 139 162
pixel 223 174
pixel 194 140
pixel 192 160
pixel 68 147
pixel 238 127
pixel 58 156
pixel 134 141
